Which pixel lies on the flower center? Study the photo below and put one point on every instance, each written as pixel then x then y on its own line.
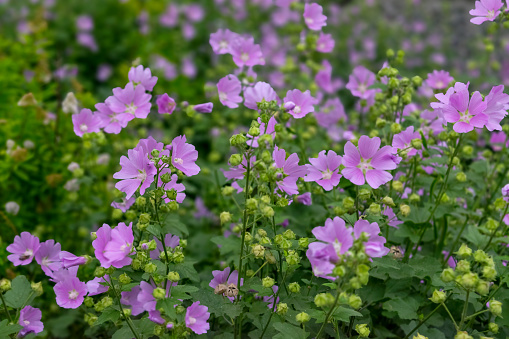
pixel 223 44
pixel 337 246
pixel 365 165
pixel 297 110
pixel 73 294
pixel 309 21
pixel 192 320
pixel 490 14
pixel 326 175
pixel 465 116
pixel 244 57
pixel 26 322
pixel 363 88
pixel 440 84
pixel 28 254
pixel 142 175
pixel 131 108
pixel 45 261
pixel 178 161
pixel 223 96
pixel 83 127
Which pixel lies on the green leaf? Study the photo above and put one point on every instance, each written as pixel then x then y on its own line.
pixel 6 329
pixel 217 304
pixel 424 142
pixel 289 331
pixel 387 267
pixel 20 293
pixel 185 270
pixel 343 314
pixel 173 225
pixel 228 245
pixel 109 314
pixel 406 308
pixel 182 291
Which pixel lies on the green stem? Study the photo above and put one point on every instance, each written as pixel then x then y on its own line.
pixel 5 307
pixel 450 315
pixel 127 319
pixel 498 227
pixel 328 314
pixel 422 321
pixel 456 241
pixel 465 307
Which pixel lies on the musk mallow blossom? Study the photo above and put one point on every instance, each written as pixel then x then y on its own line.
pixel 140 75
pixel 325 43
pixel 86 122
pixel 324 170
pixel 439 79
pixel 221 41
pixel 246 53
pixel 323 79
pixel 303 102
pixel 485 10
pixel 23 249
pixel 228 89
pixel 137 172
pixel 124 205
pixel 259 92
pixel 330 113
pixel 289 170
pixel 403 140
pixel 368 162
pixel 359 82
pixel 149 303
pixel 173 184
pixel 30 319
pixel 375 245
pixel 48 256
pixel 196 318
pixel 204 108
pixel 165 104
pixel 130 298
pixel 184 156
pixel 112 122
pixel 97 285
pixel 70 292
pixel 270 299
pixel 465 112
pixel 497 103
pixel 134 101
pixel 313 16
pixel 227 279
pixel 120 246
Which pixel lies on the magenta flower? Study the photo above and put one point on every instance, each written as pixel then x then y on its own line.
pixel 246 53
pixel 30 319
pixel 497 104
pixel 130 298
pixel 465 112
pixel 120 246
pixel 97 285
pixel 237 172
pixel 147 300
pixel 325 43
pixel 289 170
pixel 103 237
pixel 270 299
pixel 142 76
pixel 304 199
pixel 23 249
pixel 259 92
pixel 359 82
pixel 169 240
pixel 184 155
pixel 48 256
pixel 324 170
pixel 505 193
pixel 69 260
pixel 179 188
pixel 84 23
pixel 374 247
pixel 70 292
pixel 165 104
pixel 196 318
pixel 331 113
pixel 130 100
pixel 112 122
pixel 137 172
pixel 229 89
pixel 392 219
pixel 313 17
pixel 221 41
pixel 439 79
pixel 204 108
pixel 323 79
pixel 485 10
pixel 404 139
pixel 124 205
pixel 86 122
pixel 303 103
pixel 368 162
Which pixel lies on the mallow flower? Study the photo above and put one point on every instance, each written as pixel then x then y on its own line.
pixel 70 292
pixel 120 246
pixel 485 10
pixel 139 75
pixel 359 82
pixel 221 41
pixel 465 112
pixel 259 92
pixel 165 104
pixel 184 156
pixel 324 170
pixel 289 170
pixel 303 102
pixel 86 122
pixel 137 172
pixel 23 249
pixel 196 318
pixel 30 319
pixel 228 89
pixel 246 53
pixel 134 101
pixel 227 279
pixel 313 16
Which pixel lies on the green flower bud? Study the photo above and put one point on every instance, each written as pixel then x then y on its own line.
pixel 116 214
pixel 483 287
pixel 355 301
pixel 271 259
pixel 348 203
pixel 36 287
pixel 258 251
pixel 396 128
pixel 464 251
pixel 302 317
pixel 493 328
pixel 417 81
pixel 468 150
pixel 380 123
pixel 388 201
pixel 144 218
pixel 267 212
pixel 124 279
pixel 419 336
pixel 374 209
pixel 235 159
pixel 268 282
pixel 159 293
pixel 140 202
pixel 489 272
pixel 288 234
pixel 363 330
pixel 324 300
pixel 445 198
pixel 225 217
pixel 166 178
pixel 491 224
pixel 461 177
pixel 438 297
pixel 463 335
pixel 173 276
pixel 265 199
pixel 5 285
pixel 180 309
pixel 364 194
pixel 414 198
pixel 397 186
pixel 99 272
pixel 89 302
pixel 292 258
pixel 251 204
pixel 254 131
pixel 405 210
pixel 463 266
pixel 248 237
pixel 294 287
pixel 339 271
pixel 495 307
pixel 90 319
pixel 150 268
pixel 468 280
pixel 448 275
pixel 130 215
pixel 136 264
pixel 480 256
pixel 238 140
pixel 282 202
pixel 261 232
pixel 303 243
pixel 282 308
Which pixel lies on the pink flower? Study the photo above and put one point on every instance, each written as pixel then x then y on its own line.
pixel 485 10
pixel 324 170
pixel 23 249
pixel 196 318
pixel 130 100
pixel 165 104
pixel 169 241
pixel 270 299
pixel 112 122
pixel 130 298
pixel 313 17
pixel 259 92
pixel 464 112
pixel 323 79
pixel 30 319
pixel 368 162
pixel 103 237
pixel 147 300
pixel 172 184
pixel 505 193
pixel 392 220
pixel 439 79
pixel 120 246
pixel 124 205
pixel 404 139
pixel 289 170
pixel 139 75
pixel 374 247
pixel 70 292
pixel 325 43
pixel 86 122
pixel 137 172
pixel 360 81
pixel 229 89
pixel 221 41
pixel 246 53
pixel 48 256
pixel 303 103
pixel 184 156
pixel 224 277
pixel 331 113
pixel 497 104
pixel 204 108
pixel 97 286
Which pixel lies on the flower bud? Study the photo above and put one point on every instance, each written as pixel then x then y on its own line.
pixel 238 140
pixel 463 335
pixel 225 217
pixel 254 131
pixel 258 251
pixel 116 214
pixel 180 309
pixel 493 327
pixel 374 209
pixel 235 159
pixel 251 204
pixel 282 308
pixel 495 307
pixel 355 301
pixel 489 273
pixel 395 128
pixel 461 177
pixel 302 317
pixel 468 150
pixel 124 279
pixel 324 300
pixel 5 285
pixel 99 272
pixel 464 251
pixel 438 297
pixel 417 81
pixel 363 330
pixel 141 202
pixel 303 243
pixel 36 287
pixel 268 282
pixel 294 287
pixel 468 280
pixel 463 266
pixel 89 302
pixel 419 336
pixel 158 293
pixel 414 198
pixel 388 201
pixel 267 212
pixel 483 287
pixel 292 258
pixel 271 259
pixel 397 186
pixel 150 268
pixel 144 218
pixel 405 210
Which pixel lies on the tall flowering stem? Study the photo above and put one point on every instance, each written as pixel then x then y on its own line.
pixel 5 307
pixel 327 317
pixel 126 317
